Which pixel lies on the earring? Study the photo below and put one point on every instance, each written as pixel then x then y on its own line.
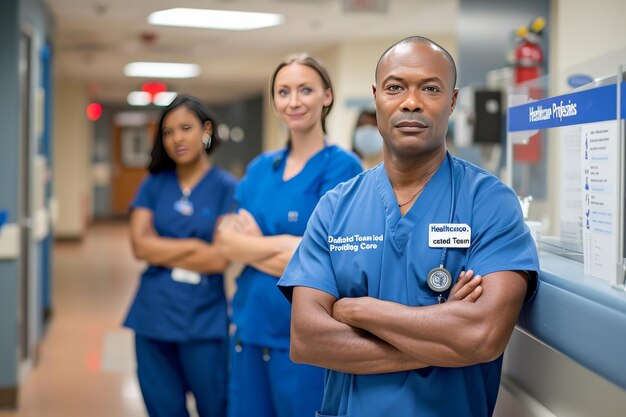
pixel 206 140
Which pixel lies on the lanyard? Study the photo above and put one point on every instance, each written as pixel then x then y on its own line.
pixel 439 279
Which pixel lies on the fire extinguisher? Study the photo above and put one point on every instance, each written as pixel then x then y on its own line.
pixel 528 53
pixel 527 66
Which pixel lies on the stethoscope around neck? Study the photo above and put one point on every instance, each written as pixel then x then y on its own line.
pixel 439 279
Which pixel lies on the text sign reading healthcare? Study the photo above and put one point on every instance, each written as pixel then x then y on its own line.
pixel 449 235
pixel 587 106
pixel 595 110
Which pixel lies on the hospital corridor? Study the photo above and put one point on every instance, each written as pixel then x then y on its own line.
pixel 300 208
pixel 86 366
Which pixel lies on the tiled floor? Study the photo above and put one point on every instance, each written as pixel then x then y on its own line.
pixel 86 362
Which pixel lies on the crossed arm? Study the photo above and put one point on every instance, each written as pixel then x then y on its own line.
pixel 240 239
pixel 191 253
pixel 365 335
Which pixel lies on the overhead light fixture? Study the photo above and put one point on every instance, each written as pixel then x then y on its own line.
pixel 164 98
pixel 144 98
pixel 161 70
pixel 215 19
pixel 138 98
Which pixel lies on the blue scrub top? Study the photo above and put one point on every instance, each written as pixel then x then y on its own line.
pixel 165 309
pixel 379 253
pixel 260 312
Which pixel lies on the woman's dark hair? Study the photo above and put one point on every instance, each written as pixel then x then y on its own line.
pixel 160 160
pixel 315 65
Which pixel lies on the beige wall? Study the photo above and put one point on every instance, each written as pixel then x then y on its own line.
pixel 583 30
pixel 353 78
pixel 72 155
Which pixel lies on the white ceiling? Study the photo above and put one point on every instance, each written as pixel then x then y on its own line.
pixel 94 39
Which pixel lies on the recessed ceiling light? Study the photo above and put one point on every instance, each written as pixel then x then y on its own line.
pixel 138 98
pixel 215 19
pixel 164 98
pixel 161 70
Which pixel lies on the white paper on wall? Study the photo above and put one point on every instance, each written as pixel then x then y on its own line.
pixel 599 178
pixel 570 202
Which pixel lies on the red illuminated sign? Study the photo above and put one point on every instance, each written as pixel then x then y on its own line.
pixel 94 111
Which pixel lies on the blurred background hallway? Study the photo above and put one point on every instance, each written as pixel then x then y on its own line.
pixel 76 140
pixel 85 366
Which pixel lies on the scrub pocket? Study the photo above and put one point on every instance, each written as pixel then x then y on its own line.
pixel 318 414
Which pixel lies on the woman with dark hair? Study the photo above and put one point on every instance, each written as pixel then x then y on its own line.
pixel 276 198
pixel 179 312
pixel 161 160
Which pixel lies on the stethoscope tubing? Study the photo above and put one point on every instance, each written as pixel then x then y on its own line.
pixel 444 251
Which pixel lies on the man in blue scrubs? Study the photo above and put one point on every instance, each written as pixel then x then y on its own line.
pixel 367 281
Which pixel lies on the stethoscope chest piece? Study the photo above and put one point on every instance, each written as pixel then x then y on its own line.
pixel 439 279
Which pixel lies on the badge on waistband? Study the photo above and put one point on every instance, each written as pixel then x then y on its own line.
pixel 186 276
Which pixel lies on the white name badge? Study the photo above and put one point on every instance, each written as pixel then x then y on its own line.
pixel 449 235
pixel 184 207
pixel 186 276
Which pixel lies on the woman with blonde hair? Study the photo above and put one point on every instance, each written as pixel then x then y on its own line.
pixel 276 198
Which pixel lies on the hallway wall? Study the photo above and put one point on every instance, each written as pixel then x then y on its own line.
pixel 585 30
pixel 22 253
pixel 581 33
pixel 72 159
pixel 9 174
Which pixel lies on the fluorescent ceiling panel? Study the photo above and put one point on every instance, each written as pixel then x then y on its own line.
pixel 161 70
pixel 164 98
pixel 138 98
pixel 215 19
